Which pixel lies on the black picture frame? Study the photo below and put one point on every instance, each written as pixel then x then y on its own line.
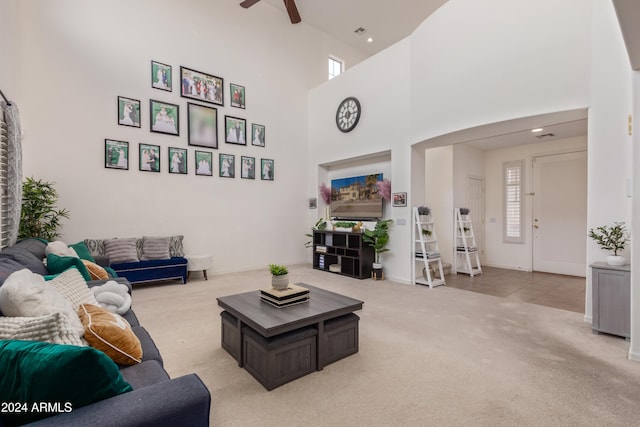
pixel 247 167
pixel 267 169
pixel 164 117
pixel 148 157
pixel 161 76
pixel 399 199
pixel 202 126
pixel 201 86
pixel 235 130
pixel 227 165
pixel 116 154
pixel 177 158
pixel 206 168
pixel 128 112
pixel 258 135
pixel 237 95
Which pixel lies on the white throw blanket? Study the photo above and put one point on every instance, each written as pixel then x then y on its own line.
pixel 113 296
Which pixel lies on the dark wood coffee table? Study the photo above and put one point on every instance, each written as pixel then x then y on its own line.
pixel 323 312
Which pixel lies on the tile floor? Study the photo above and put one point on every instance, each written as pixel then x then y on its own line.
pixel 551 290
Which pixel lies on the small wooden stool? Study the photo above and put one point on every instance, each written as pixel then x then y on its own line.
pixel 198 263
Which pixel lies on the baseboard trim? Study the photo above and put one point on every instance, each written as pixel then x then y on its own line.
pixel 588 319
pixel 634 356
pixel 507 267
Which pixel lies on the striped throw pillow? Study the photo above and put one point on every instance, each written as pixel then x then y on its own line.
pixel 121 250
pixel 155 248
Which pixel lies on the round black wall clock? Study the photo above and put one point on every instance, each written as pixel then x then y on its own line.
pixel 348 114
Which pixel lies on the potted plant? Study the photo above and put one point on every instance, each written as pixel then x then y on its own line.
pixel 464 213
pixel 378 239
pixel 612 239
pixel 426 232
pixel 321 224
pixel 279 277
pixel 424 212
pixel 39 217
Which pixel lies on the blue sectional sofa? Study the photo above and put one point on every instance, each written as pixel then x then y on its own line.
pixel 155 400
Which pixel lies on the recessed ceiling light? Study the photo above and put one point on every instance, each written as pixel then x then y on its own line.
pixel 536 130
pixel 369 40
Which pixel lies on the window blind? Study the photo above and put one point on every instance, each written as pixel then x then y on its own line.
pixel 513 231
pixel 4 201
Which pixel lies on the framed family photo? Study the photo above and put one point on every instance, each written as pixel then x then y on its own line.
pixel 237 95
pixel 128 112
pixel 161 76
pixel 399 199
pixel 202 126
pixel 165 117
pixel 204 160
pixel 248 167
pixel 201 86
pixel 149 156
pixel 235 130
pixel 313 203
pixel 177 160
pixel 267 169
pixel 257 135
pixel 116 154
pixel 227 165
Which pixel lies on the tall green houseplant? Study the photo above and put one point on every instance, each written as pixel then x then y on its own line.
pixel 39 216
pixel 378 237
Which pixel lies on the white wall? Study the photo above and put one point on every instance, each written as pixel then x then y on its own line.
pixel 439 196
pixel 474 63
pixel 514 255
pixel 7 48
pixel 76 57
pixel 634 349
pixel 468 162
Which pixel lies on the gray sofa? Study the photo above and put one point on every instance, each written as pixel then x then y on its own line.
pixel 155 400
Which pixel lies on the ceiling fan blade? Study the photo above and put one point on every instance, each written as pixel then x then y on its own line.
pixel 248 3
pixel 292 10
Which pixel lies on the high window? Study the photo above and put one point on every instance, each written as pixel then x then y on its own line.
pixel 513 227
pixel 336 67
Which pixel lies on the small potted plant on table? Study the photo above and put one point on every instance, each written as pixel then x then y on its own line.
pixel 279 277
pixel 612 239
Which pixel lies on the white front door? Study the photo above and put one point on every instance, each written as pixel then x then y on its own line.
pixel 475 202
pixel 560 213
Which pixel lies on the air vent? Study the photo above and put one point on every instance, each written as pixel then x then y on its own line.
pixel 360 31
pixel 545 135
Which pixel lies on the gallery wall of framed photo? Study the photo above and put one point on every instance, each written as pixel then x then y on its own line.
pixel 210 124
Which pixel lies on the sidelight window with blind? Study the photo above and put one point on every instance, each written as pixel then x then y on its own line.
pixel 513 182
pixel 4 202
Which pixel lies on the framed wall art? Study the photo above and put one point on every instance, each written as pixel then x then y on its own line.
pixel 177 160
pixel 227 165
pixel 201 86
pixel 257 135
pixel 202 125
pixel 116 154
pixel 237 95
pixel 164 117
pixel 267 169
pixel 149 156
pixel 235 130
pixel 313 203
pixel 399 199
pixel 161 76
pixel 248 167
pixel 204 160
pixel 128 112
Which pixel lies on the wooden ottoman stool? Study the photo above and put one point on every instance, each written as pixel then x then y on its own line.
pixel 198 263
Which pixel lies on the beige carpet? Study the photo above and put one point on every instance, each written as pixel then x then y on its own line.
pixel 427 357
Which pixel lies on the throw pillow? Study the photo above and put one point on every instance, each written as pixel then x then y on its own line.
pixel 175 247
pixel 96 246
pixel 60 248
pixel 34 372
pixel 25 294
pixel 8 266
pixel 155 248
pixel 110 333
pixel 95 271
pixel 73 287
pixel 53 328
pixel 58 264
pixel 121 250
pixel 113 296
pixel 83 251
pixel 25 258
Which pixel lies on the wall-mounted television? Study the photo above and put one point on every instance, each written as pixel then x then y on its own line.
pixel 356 197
